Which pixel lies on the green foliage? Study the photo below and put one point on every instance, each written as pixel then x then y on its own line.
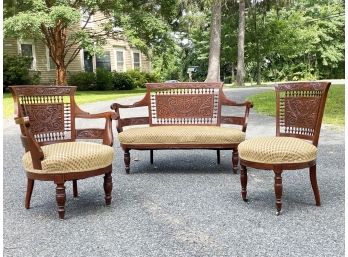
pixel 123 81
pixel 151 77
pixel 146 24
pixel 138 78
pixel 17 71
pixel 83 80
pixel 303 40
pixel 104 80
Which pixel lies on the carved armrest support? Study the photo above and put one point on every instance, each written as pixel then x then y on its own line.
pixel 104 134
pixel 248 106
pixel 29 142
pixel 237 120
pixel 141 103
pixel 130 121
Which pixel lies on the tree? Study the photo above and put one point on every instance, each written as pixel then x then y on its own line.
pixel 241 35
pixel 215 43
pixel 56 23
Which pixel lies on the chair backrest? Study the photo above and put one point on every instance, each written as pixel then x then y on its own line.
pixel 50 109
pixel 195 103
pixel 300 109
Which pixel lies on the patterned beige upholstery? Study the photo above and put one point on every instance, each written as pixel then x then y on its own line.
pixel 71 157
pixel 181 135
pixel 277 150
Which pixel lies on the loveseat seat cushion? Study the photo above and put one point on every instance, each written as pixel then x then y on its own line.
pixel 277 150
pixel 181 135
pixel 71 157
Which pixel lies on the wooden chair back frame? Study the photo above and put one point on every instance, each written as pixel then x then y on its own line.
pixel 300 109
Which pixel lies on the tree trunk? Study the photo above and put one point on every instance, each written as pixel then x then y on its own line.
pixel 241 34
pixel 61 78
pixel 215 43
pixel 258 61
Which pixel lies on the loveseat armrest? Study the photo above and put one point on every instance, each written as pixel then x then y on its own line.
pixel 94 133
pixel 131 121
pixel 241 120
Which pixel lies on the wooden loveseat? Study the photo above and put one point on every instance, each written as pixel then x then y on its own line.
pixel 183 116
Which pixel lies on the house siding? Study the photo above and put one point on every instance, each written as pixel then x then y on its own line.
pixel 10 47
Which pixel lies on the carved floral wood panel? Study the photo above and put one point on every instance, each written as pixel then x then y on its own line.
pixel 301 112
pixel 185 106
pixel 46 118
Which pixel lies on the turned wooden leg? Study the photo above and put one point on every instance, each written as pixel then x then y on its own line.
pixel 30 187
pixel 244 182
pixel 108 187
pixel 75 188
pixel 235 160
pixel 151 156
pixel 313 177
pixel 218 156
pixel 61 197
pixel 127 160
pixel 278 189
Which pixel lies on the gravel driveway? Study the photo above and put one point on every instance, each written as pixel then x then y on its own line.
pixel 183 205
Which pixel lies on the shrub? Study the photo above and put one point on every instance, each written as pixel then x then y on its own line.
pixel 104 80
pixel 138 77
pixel 122 81
pixel 17 71
pixel 152 77
pixel 83 80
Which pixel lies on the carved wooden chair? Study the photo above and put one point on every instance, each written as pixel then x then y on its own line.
pixel 46 115
pixel 299 113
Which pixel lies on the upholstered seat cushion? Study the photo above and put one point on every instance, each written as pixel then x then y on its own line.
pixel 181 135
pixel 71 157
pixel 277 150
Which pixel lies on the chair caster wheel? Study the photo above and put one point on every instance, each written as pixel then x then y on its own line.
pixel 277 213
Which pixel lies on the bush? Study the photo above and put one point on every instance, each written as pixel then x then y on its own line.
pixel 83 80
pixel 104 80
pixel 151 77
pixel 138 78
pixel 123 81
pixel 17 71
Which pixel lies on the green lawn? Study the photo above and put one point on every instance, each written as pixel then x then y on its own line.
pixel 81 97
pixel 334 109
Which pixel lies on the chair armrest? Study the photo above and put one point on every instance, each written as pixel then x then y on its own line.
pixel 104 134
pixel 29 142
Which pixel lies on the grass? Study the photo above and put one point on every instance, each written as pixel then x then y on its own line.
pixel 334 109
pixel 81 97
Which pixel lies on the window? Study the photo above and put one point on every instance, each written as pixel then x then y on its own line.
pixel 103 62
pixel 88 61
pixel 50 63
pixel 120 60
pixel 136 60
pixel 27 48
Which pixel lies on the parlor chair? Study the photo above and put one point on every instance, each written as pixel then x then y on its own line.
pixel 46 115
pixel 299 113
